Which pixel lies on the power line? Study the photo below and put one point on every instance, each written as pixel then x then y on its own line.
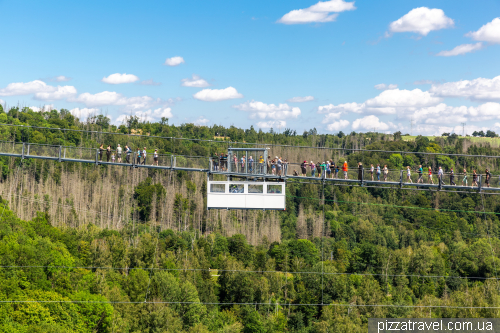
pixel 256 303
pixel 254 271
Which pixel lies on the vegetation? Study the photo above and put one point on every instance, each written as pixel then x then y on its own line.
pixel 108 249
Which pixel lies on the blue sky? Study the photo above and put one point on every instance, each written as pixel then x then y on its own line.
pixel 334 65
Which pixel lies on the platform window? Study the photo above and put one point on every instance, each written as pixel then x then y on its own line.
pixel 217 188
pixel 274 189
pixel 236 188
pixel 255 188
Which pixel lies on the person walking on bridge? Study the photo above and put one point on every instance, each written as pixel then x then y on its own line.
pixel 487 178
pixel 345 168
pixel 430 176
pixel 128 151
pixel 303 168
pixel 420 172
pixel 452 177
pixel 464 180
pixel 440 176
pixel 378 172
pixel 108 153
pixel 119 153
pixel 360 171
pixel 408 174
pixel 144 156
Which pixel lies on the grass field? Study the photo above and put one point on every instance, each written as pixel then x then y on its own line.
pixel 494 142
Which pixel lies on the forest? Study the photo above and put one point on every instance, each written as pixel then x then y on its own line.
pixel 86 248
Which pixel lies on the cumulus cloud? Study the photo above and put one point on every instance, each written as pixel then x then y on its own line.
pixel 40 89
pixel 114 98
pixel 201 121
pixel 479 89
pixel 59 78
pixel 118 78
pixel 215 95
pixel 149 82
pixel 268 111
pixel 146 115
pixel 83 113
pixel 370 123
pixel 174 61
pixel 490 32
pixel 44 108
pixel 422 20
pixel 194 81
pixel 323 11
pixel 346 107
pixel 271 124
pixel 396 98
pixel 461 49
pixel 338 125
pixel 300 99
pixel 58 94
pixel 383 86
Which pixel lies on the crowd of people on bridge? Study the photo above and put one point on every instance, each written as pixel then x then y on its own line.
pixel 116 155
pixel 331 170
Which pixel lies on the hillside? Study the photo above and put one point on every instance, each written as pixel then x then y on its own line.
pixel 87 248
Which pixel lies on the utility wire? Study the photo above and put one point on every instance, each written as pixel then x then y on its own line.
pixel 253 271
pixel 256 303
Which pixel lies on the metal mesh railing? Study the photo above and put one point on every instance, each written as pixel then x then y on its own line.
pixel 42 150
pixel 10 147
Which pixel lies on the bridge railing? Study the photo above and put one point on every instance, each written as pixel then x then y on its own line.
pixel 194 162
pixel 11 147
pixel 78 153
pixel 42 150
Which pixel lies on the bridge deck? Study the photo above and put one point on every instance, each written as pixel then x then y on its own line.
pixel 203 164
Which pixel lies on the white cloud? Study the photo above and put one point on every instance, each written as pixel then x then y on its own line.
pixel 402 98
pixel 2 102
pixel 269 111
pixel 59 78
pixel 195 81
pixel 201 121
pixel 174 61
pixel 320 12
pixel 150 82
pixel 41 90
pixel 84 113
pixel 147 115
pixel 44 108
pixel 490 32
pixel 214 95
pixel 151 115
pixel 22 88
pixel 331 117
pixel 300 99
pixel 479 89
pixel 383 86
pixel 59 93
pixel 338 125
pixel 118 78
pixel 346 107
pixel 271 124
pixel 461 49
pixel 486 111
pixel 370 123
pixel 114 98
pixel 422 20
